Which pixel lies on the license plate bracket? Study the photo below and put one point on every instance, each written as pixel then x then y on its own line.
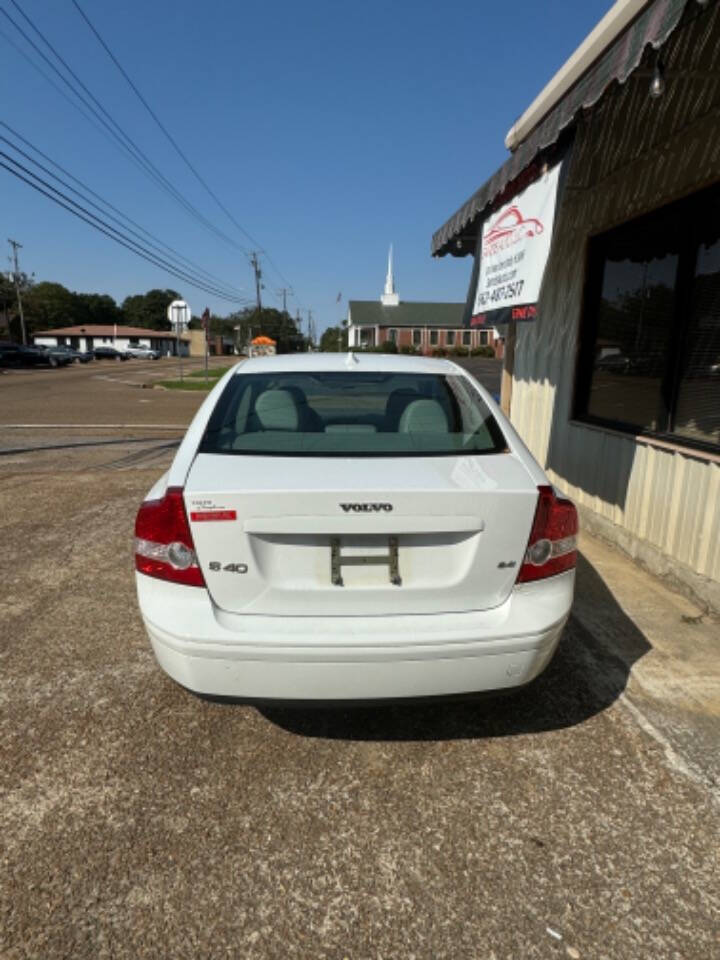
pixel 338 561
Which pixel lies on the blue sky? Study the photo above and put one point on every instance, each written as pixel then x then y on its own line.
pixel 327 129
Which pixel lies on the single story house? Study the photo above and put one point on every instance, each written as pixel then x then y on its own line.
pixel 423 326
pixel 114 335
pixel 612 372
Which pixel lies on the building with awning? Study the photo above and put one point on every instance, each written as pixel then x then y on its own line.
pixel 597 250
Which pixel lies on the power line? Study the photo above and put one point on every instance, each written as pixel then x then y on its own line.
pixel 158 246
pixel 83 214
pixel 59 89
pixel 161 125
pixel 174 143
pixel 113 128
pixel 119 135
pixel 219 289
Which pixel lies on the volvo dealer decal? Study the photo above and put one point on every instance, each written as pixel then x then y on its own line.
pixel 514 250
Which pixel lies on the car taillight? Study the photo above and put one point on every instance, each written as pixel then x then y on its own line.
pixel 164 545
pixel 552 547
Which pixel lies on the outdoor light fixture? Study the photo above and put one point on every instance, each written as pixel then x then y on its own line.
pixel 657 84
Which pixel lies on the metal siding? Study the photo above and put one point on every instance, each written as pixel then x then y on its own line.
pixel 631 155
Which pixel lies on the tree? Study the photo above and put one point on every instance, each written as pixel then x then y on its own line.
pixel 149 309
pixel 334 339
pixel 9 316
pixel 49 305
pixel 96 308
pixel 267 322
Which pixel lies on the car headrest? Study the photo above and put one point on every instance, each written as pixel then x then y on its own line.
pixel 423 416
pixel 277 410
pixel 396 403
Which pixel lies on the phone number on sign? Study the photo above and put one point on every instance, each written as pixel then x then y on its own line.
pixel 508 291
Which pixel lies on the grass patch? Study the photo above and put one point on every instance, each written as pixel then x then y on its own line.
pixel 214 373
pixel 186 384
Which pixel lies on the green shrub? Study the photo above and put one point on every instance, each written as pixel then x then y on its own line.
pixel 485 351
pixel 460 351
pixel 388 347
pixel 408 348
pixel 439 352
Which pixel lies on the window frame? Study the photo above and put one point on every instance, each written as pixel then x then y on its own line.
pixel 450 338
pixel 434 338
pixel 689 211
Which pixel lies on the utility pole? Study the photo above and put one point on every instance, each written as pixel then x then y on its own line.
pixel 298 324
pixel 311 329
pixel 283 292
pixel 16 277
pixel 255 264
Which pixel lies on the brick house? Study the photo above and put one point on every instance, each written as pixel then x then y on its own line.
pixel 421 325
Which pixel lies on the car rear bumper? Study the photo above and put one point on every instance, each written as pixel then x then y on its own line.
pixel 353 658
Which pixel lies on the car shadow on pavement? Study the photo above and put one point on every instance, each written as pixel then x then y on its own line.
pixel 585 676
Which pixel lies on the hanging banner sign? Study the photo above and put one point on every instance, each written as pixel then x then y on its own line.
pixel 515 247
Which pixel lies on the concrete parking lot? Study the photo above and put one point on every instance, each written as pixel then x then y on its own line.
pixel 577 818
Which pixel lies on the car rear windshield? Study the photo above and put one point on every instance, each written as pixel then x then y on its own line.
pixel 351 414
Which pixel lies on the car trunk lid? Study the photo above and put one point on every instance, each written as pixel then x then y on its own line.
pixel 365 536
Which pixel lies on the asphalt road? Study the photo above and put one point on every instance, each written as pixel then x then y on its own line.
pixel 486 370
pixel 140 821
pixel 100 392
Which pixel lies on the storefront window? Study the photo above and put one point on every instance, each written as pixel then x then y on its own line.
pixel 433 338
pixel 450 338
pixel 650 340
pixel 467 338
pixel 698 404
pixel 417 337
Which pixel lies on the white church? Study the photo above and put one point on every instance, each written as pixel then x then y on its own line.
pixel 425 327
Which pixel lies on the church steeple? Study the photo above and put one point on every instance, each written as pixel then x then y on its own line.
pixel 389 297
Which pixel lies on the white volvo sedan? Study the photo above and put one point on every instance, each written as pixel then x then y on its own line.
pixel 353 527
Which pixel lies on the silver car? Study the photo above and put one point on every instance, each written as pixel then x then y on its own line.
pixel 142 352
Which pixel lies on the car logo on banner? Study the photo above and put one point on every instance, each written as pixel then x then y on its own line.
pixel 510 228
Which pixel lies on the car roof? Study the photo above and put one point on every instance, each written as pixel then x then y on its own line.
pixel 369 362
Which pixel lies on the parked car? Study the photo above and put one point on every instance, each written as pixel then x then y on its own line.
pixel 109 353
pixel 73 355
pixel 17 355
pixel 144 353
pixel 353 527
pixel 57 353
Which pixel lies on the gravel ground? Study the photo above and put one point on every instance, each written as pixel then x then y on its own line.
pixel 138 820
